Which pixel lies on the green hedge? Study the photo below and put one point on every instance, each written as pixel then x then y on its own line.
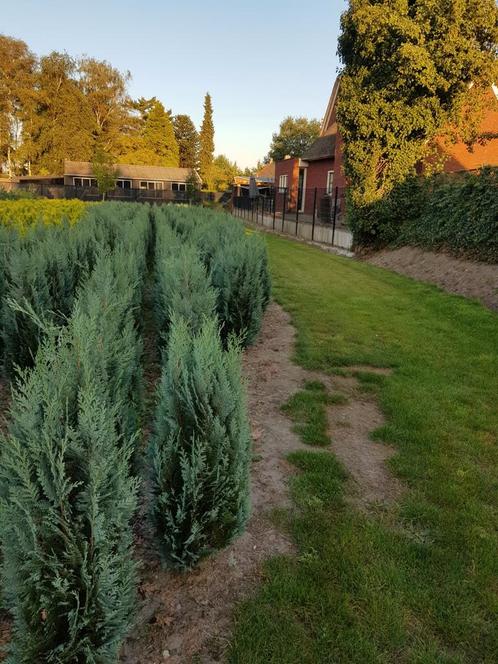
pixel 456 212
pixel 236 263
pixel 182 285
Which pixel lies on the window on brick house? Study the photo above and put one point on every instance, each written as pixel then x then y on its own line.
pixel 282 183
pixel 330 182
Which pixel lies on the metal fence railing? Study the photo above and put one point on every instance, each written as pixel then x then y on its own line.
pixel 312 214
pixel 132 195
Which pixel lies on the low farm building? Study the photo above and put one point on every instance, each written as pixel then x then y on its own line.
pixel 79 174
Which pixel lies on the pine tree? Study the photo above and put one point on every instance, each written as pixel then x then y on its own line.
pixel 200 449
pixel 159 136
pixel 187 138
pixel 206 153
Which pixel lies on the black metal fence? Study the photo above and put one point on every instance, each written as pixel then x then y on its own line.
pixel 132 195
pixel 314 214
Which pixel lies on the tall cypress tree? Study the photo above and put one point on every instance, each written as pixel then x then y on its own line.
pixel 187 138
pixel 206 154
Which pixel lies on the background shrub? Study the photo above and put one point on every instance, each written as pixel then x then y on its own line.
pixel 457 212
pixel 200 448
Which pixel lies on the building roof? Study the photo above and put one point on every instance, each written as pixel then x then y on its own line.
pixel 164 173
pixel 460 157
pixel 267 172
pixel 330 112
pixel 322 148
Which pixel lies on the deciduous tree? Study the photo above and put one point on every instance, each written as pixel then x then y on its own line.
pixel 104 171
pixel 293 138
pixel 104 88
pixel 223 173
pixel 407 70
pixel 17 73
pixel 63 125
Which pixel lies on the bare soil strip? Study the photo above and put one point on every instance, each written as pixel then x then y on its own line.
pixel 188 617
pixel 455 275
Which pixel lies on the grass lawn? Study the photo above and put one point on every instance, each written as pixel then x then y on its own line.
pixel 417 582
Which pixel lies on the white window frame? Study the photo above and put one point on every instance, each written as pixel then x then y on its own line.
pixel 282 183
pixel 84 181
pixel 180 186
pixel 303 192
pixel 330 182
pixel 123 180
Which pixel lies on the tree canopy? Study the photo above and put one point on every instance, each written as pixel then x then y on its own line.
pixel 187 138
pixel 57 107
pixel 407 70
pixel 17 66
pixel 223 173
pixel 294 137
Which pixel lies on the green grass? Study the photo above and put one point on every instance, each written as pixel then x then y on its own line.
pixel 417 582
pixel 308 409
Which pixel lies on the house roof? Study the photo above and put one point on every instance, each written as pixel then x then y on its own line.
pixel 460 157
pixel 267 172
pixel 165 173
pixel 328 117
pixel 322 148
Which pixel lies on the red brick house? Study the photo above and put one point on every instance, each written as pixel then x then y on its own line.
pixel 322 165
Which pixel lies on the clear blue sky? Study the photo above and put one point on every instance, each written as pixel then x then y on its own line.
pixel 260 60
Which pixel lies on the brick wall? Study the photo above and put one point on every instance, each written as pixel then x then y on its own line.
pixel 289 167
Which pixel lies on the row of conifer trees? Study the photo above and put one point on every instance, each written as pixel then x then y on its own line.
pixel 67 488
pixel 42 269
pixel 211 287
pixel 68 474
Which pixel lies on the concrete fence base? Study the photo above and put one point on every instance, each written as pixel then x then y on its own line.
pixel 321 234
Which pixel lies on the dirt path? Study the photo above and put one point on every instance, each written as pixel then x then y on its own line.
pixel 187 617
pixel 455 275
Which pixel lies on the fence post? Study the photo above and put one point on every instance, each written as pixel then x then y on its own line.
pixel 275 194
pixel 335 213
pixel 314 216
pixel 283 208
pixel 297 210
pixel 262 211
